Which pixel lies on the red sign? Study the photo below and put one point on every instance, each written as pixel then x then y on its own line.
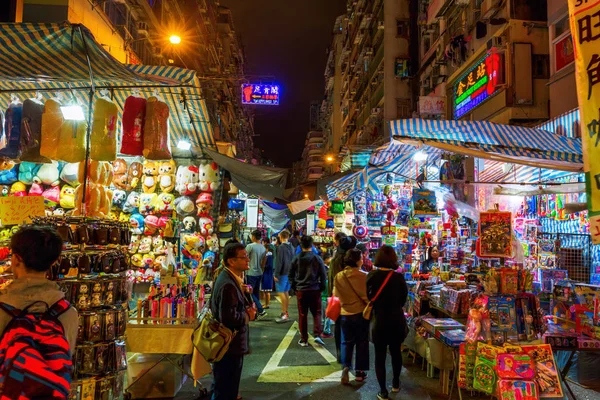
pixel 563 51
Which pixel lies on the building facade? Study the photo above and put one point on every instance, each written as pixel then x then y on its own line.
pixel 138 32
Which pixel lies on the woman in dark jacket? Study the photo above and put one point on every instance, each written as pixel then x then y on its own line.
pixel 388 325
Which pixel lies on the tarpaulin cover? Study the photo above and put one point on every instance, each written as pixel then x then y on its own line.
pixel 266 182
pixel 275 215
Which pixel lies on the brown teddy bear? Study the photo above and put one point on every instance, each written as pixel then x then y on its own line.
pixel 135 175
pixel 120 178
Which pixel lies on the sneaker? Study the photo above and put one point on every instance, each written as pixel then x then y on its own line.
pixel 360 376
pixel 345 376
pixel 382 396
pixel 319 341
pixel 283 318
pixel 327 335
pixel 261 315
pixel 266 307
pixel 302 343
pixel 396 386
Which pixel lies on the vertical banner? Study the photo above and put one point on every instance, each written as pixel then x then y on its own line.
pixel 585 28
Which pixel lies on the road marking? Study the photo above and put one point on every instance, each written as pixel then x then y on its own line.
pixel 274 373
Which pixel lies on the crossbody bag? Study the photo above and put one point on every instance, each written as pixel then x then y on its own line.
pixel 369 308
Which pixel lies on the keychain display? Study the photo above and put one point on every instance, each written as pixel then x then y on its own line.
pixel 97 292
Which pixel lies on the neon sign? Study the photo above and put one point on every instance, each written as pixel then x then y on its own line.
pixel 479 84
pixel 260 94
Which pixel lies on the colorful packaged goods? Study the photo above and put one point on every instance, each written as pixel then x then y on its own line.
pixel 452 337
pixel 547 375
pixel 156 130
pixel 432 325
pixel 134 115
pixel 515 366
pixel 517 390
pixel 484 373
pixel 467 359
pixel 104 131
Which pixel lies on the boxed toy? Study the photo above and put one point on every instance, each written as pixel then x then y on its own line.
pixel 517 390
pixel 452 337
pixel 547 375
pixel 484 373
pixel 432 325
pixel 503 314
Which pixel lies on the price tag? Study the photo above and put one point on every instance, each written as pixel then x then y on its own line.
pixel 16 210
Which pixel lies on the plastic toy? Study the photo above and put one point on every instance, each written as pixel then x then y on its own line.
pixel 166 176
pixel 517 390
pixel 67 197
pixel 515 366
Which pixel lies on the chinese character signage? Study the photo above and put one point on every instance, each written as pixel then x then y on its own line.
pixel 563 50
pixel 432 105
pixel 260 94
pixel 17 210
pixel 585 28
pixel 479 84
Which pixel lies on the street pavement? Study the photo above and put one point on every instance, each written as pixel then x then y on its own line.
pixel 278 368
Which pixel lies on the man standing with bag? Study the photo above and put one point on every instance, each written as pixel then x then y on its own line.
pixel 232 308
pixel 258 256
pixel 308 277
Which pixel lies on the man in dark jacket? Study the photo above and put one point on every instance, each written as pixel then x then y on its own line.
pixel 232 308
pixel 308 277
pixel 283 264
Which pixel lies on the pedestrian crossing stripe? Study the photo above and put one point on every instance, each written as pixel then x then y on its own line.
pixel 274 373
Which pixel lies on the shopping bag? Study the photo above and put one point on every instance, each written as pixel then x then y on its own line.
pixel 334 308
pixel 212 338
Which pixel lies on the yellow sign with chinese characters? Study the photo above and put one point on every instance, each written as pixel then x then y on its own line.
pixel 585 29
pixel 16 210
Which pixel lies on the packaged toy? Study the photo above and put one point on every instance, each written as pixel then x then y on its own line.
pixel 134 115
pixel 156 130
pixel 546 373
pixel 515 366
pixel 517 390
pixel 52 122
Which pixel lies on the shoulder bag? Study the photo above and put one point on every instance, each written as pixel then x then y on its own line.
pixel 369 308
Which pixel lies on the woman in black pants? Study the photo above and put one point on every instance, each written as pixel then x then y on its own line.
pixel 388 324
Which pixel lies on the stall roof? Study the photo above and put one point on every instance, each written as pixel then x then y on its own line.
pixel 49 58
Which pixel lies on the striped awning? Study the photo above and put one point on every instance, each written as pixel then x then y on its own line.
pixel 342 187
pixel 566 124
pixel 523 145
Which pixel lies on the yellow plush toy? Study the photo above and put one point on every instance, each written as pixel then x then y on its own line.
pixel 67 197
pixel 150 179
pixel 166 176
pixel 98 198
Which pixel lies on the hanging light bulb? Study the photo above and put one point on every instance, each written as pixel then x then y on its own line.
pixel 72 112
pixel 184 145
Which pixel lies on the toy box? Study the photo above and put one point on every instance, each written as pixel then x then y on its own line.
pixel 484 373
pixel 452 337
pixel 547 375
pixel 503 315
pixel 517 390
pixel 515 366
pixel 432 325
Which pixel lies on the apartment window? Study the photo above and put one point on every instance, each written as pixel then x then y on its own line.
pixel 403 108
pixel 540 67
pixel 561 50
pixel 402 28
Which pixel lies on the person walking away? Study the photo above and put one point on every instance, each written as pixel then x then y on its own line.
pixel 350 287
pixel 308 279
pixel 295 239
pixel 257 253
pixel 34 250
pixel 336 266
pixel 231 307
pixel 367 265
pixel 266 286
pixel 324 294
pixel 283 265
pixel 387 290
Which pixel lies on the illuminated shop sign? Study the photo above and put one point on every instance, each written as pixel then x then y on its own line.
pixel 480 83
pixel 260 94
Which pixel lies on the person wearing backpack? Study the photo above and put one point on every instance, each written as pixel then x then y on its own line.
pixel 36 319
pixel 350 287
pixel 387 292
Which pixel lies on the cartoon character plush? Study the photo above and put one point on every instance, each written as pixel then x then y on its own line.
pixel 113 216
pixel 67 196
pixel 132 204
pixel 208 176
pixel 134 244
pixel 186 182
pixel 160 264
pixel 9 176
pixel 205 226
pixel 150 225
pixel 134 175
pixel 18 189
pixel 212 243
pixel 189 224
pixel 145 245
pixel 70 174
pixel 48 174
pixel 120 176
pixel 166 176
pixel 124 217
pixel 165 203
pixel 158 245
pixel 98 197
pixel 4 190
pixel 52 197
pixel 137 260
pixel 204 204
pixel 162 222
pixel 36 190
pixel 148 260
pixel 147 203
pixel 150 177
pixel 27 171
pixel 184 206
pixel 191 245
pixel 136 223
pixel 119 198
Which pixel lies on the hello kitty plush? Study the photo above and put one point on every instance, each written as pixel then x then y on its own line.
pixel 208 176
pixel 205 226
pixel 186 182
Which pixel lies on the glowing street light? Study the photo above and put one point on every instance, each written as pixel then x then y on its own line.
pixel 174 39
pixel 329 158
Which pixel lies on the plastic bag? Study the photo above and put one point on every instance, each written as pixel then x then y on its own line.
pixel 103 138
pixel 72 141
pixel 134 114
pixel 52 122
pixel 31 131
pixel 156 130
pixel 12 129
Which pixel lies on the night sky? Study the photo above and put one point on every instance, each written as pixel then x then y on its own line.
pixel 288 40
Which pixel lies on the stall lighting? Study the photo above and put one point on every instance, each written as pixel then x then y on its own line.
pixel 184 145
pixel 329 158
pixel 72 113
pixel 420 156
pixel 306 196
pixel 174 39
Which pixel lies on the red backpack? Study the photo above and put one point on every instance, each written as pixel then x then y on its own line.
pixel 35 362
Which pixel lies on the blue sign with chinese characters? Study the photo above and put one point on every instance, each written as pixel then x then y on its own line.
pixel 260 94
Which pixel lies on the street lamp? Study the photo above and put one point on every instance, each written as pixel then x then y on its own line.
pixel 329 158
pixel 175 39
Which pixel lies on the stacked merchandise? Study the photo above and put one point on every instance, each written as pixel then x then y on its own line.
pixel 170 305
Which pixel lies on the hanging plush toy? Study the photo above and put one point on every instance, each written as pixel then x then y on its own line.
pixel 67 197
pixel 205 226
pixel 150 177
pixel 166 176
pixel 52 122
pixel 103 138
pixel 31 131
pixel 18 189
pixel 70 174
pixel 136 223
pixel 120 178
pixel 36 189
pixel 189 224
pixel 134 115
pixel 72 141
pixel 132 203
pixel 187 180
pixel 9 176
pixel 156 130
pixel 208 176
pixel 150 225
pixel 27 171
pixel 145 245
pixel 134 175
pixel 184 206
pixel 12 130
pixel 148 203
pixel 204 204
pixel 51 197
pixel 165 204
pixel 119 198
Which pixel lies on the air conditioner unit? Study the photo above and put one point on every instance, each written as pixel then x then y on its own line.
pixel 496 41
pixel 142 28
pixel 376 111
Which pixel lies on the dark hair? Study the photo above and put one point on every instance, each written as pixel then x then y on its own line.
pixel 362 247
pixel 38 246
pixel 348 243
pixel 296 233
pixel 306 242
pixel 230 241
pixel 339 236
pixel 270 248
pixel 386 257
pixel 257 235
pixel 285 234
pixel 352 257
pixel 231 251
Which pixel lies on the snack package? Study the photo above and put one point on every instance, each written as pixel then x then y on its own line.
pixel 156 130
pixel 134 114
pixel 52 122
pixel 104 131
pixel 517 390
pixel 12 130
pixel 31 131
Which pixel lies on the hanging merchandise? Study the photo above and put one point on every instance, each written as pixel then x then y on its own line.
pixel 120 176
pixel 134 115
pixel 495 234
pixel 52 123
pixel 208 176
pixel 2 133
pixel 424 202
pixel 186 182
pixel 156 130
pixel 12 130
pixel 72 141
pixel 31 131
pixel 103 141
pixel 166 176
